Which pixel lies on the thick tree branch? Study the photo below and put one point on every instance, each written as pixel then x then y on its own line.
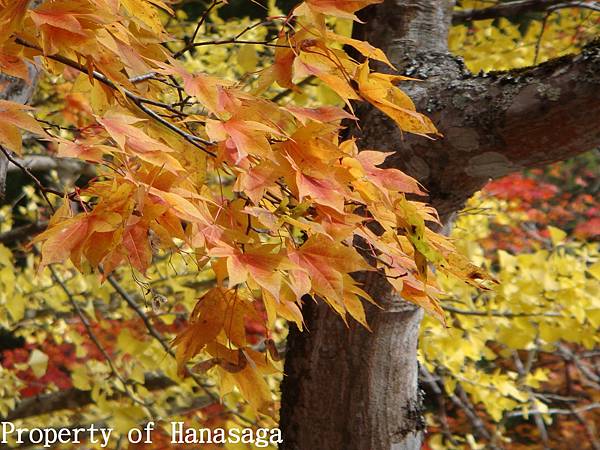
pixel 44 163
pixel 491 124
pixel 73 398
pixel 517 8
pixel 22 233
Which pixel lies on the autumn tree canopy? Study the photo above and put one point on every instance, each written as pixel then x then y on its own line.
pixel 208 187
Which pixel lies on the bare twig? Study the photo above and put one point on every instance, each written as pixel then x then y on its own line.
pixel 508 315
pixel 41 188
pixel 159 337
pixel 557 411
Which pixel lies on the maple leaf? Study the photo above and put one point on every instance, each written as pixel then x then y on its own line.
pixel 326 67
pixel 13 65
pixel 134 141
pixel 258 263
pixel 205 323
pixel 378 89
pixel 246 137
pixel 326 262
pixel 273 203
pixel 388 178
pixel 12 13
pixel 344 9
pixel 366 49
pixel 59 26
pixel 321 114
pixel 61 240
pixel 421 294
pixel 255 182
pixel 13 118
pixel 82 150
pixel 137 245
pixel 245 368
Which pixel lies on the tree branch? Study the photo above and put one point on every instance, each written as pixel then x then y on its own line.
pixel 492 124
pixel 517 8
pixel 22 233
pixel 73 398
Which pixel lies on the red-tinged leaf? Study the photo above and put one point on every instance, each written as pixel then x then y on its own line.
pixel 299 282
pixel 340 8
pixel 247 137
pixel 281 71
pixel 259 263
pixel 323 191
pixel 206 322
pixel 60 28
pixel 86 152
pixel 321 114
pixel 60 240
pixel 56 18
pixel 134 141
pixel 207 89
pixel 256 180
pixel 415 291
pixel 12 118
pixel 137 246
pixel 172 227
pixel 14 66
pixel 326 262
pixel 390 179
pixel 182 208
pixel 102 243
pixel 12 13
pixel 308 64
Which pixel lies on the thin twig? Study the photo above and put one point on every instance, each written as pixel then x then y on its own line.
pixel 94 338
pixel 43 189
pixel 158 336
pixel 136 99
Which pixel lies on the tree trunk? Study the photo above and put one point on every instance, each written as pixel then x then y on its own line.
pixel 18 91
pixel 350 388
pixel 347 388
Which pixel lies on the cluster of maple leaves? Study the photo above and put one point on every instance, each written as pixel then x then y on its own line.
pixel 264 194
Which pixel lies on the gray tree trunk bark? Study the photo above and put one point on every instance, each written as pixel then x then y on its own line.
pixel 346 388
pixel 18 91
